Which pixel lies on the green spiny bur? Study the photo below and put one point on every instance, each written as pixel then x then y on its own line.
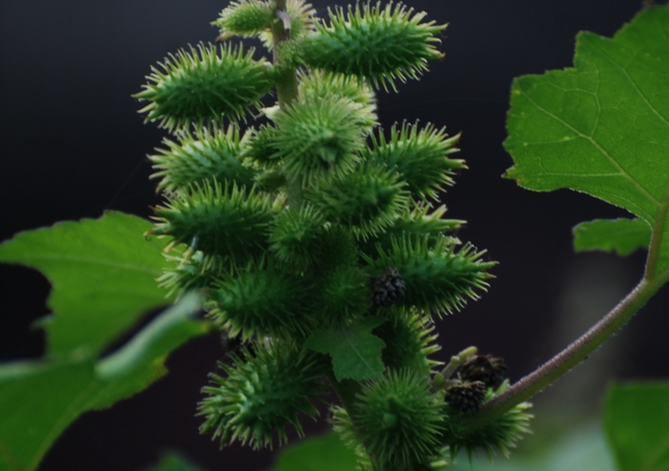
pixel 419 156
pixel 367 199
pixel 199 156
pixel 314 138
pixel 437 277
pixel 221 220
pixel 295 237
pixel 318 85
pixel 409 336
pixel 191 271
pixel 261 301
pixel 421 220
pixel 382 44
pixel 260 393
pixel 400 420
pixel 343 295
pixel 204 85
pixel 245 18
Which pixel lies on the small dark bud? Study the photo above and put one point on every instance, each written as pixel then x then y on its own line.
pixel 234 345
pixel 466 397
pixel 387 288
pixel 489 369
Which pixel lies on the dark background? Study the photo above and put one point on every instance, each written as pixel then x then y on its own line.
pixel 72 145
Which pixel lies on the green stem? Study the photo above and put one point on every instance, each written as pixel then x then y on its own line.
pixel 286 84
pixel 576 352
pixel 579 350
pixel 658 235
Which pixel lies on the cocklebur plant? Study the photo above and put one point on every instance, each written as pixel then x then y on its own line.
pixel 314 236
pixel 277 227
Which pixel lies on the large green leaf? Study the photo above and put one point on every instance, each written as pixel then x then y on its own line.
pixel 103 276
pixel 637 425
pixel 39 399
pixel 355 351
pixel 601 127
pixel 326 453
pixel 623 236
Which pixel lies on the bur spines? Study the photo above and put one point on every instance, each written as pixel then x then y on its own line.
pixel 260 394
pixel 205 154
pixel 223 220
pixel 379 43
pixel 204 85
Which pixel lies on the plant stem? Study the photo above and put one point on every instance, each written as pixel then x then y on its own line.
pixel 346 391
pixel 656 239
pixel 579 350
pixel 286 84
pixel 576 352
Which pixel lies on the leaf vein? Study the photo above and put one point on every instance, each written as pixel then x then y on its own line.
pixel 597 146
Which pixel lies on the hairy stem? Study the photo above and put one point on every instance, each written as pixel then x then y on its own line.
pixel 656 240
pixel 579 350
pixel 576 352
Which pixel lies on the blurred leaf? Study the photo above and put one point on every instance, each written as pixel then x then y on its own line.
pixel 326 453
pixel 601 127
pixel 174 462
pixel 355 351
pixel 621 235
pixel 582 449
pixel 39 399
pixel 103 276
pixel 637 425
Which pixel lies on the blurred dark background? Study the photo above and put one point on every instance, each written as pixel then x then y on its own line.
pixel 74 146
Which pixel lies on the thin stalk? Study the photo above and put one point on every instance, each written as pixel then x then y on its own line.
pixel 656 239
pixel 576 352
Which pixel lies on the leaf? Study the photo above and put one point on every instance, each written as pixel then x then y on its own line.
pixel 103 276
pixel 174 462
pixel 581 449
pixel 621 235
pixel 355 351
pixel 637 425
pixel 601 127
pixel 326 453
pixel 40 399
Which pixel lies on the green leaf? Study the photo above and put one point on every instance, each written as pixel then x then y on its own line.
pixel 621 235
pixel 601 127
pixel 40 399
pixel 582 449
pixel 637 425
pixel 174 462
pixel 355 351
pixel 103 276
pixel 326 453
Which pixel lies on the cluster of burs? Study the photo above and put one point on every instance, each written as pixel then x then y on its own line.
pixel 316 224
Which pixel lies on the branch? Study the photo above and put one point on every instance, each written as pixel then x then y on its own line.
pixel 576 352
